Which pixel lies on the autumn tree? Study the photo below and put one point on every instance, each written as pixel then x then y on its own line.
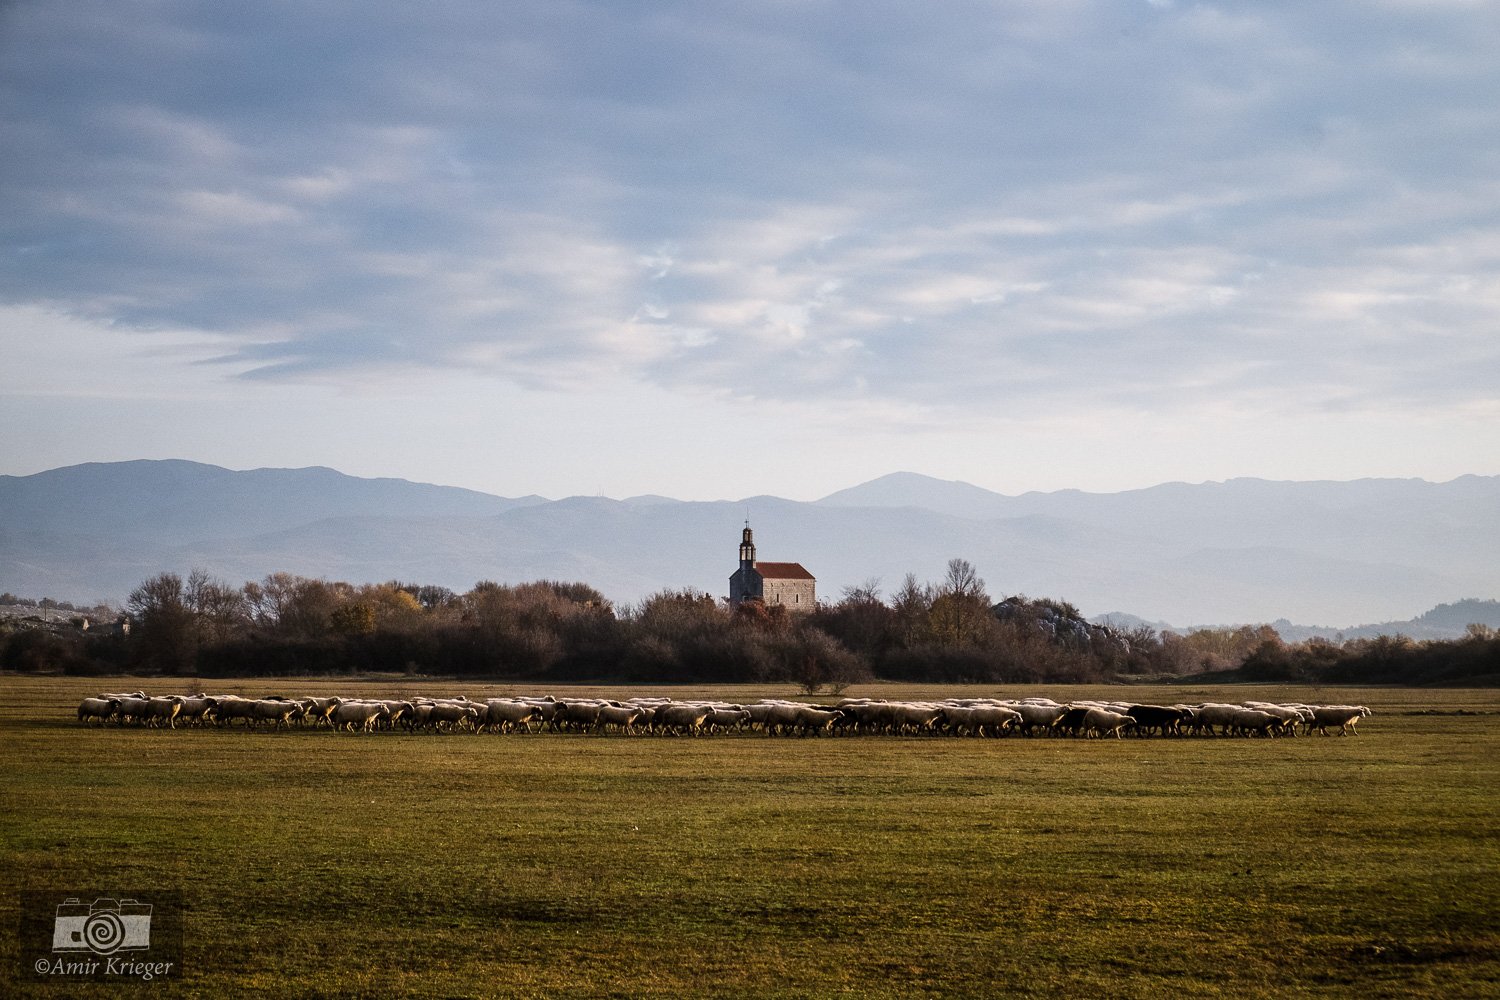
pixel 755 614
pixel 352 618
pixel 394 608
pixel 430 596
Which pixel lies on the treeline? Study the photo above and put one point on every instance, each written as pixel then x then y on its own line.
pixel 951 631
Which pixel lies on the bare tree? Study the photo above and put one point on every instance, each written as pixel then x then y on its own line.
pixel 963 581
pixel 913 606
pixel 861 621
pixel 165 638
pixel 961 610
pixel 219 610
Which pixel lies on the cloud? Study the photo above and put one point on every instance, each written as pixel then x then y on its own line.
pixel 992 207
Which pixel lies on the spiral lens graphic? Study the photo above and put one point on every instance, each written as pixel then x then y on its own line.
pixel 104 932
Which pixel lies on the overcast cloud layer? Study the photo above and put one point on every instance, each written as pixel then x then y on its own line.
pixel 1074 226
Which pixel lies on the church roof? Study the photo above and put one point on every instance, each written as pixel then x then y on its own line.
pixel 783 571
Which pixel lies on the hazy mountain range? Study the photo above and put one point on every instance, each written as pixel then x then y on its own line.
pixel 1446 621
pixel 1335 554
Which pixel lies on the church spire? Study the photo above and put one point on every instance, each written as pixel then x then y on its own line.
pixel 747 548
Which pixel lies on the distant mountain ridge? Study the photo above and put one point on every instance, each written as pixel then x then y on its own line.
pixel 176 501
pixel 1446 621
pixel 1245 550
pixel 909 489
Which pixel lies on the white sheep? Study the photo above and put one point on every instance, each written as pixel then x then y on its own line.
pixel 759 713
pixel 321 709
pixel 507 715
pixel 724 719
pixel 1342 716
pixel 452 714
pixel 582 714
pixel 233 707
pixel 197 708
pixel 396 711
pixel 1288 717
pixel 1034 715
pixel 273 710
pixel 348 714
pixel 961 720
pixel 1254 722
pixel 812 720
pixel 133 710
pixel 916 717
pixel 996 720
pixel 622 717
pixel 163 709
pixel 1211 714
pixel 97 708
pixel 1102 722
pixel 678 718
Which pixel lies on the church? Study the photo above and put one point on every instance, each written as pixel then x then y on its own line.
pixel 784 584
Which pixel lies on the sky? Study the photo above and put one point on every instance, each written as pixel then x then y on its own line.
pixel 716 250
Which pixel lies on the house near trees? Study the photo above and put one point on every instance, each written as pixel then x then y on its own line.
pixel 774 584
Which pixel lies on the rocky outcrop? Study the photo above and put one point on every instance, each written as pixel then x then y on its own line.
pixel 1060 622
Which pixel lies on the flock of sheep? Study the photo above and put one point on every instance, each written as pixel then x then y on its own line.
pixel 852 716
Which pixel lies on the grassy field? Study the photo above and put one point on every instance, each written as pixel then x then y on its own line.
pixel 560 865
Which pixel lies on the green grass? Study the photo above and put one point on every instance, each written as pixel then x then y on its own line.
pixel 552 865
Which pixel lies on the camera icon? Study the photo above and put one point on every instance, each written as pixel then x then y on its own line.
pixel 102 927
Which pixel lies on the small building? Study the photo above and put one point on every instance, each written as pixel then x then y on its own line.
pixel 774 584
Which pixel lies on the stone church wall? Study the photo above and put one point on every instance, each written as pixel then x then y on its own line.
pixel 796 595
